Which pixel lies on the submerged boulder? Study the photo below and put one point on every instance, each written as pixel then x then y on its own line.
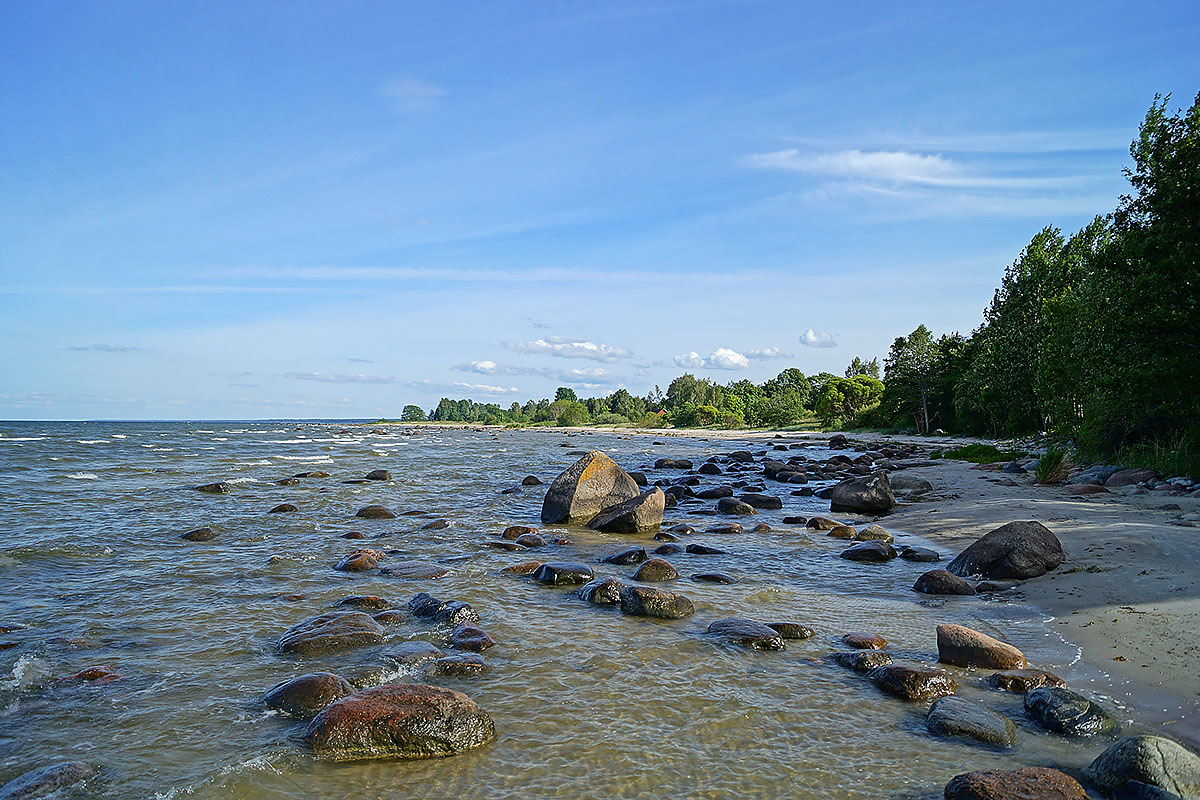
pixel 587 487
pixel 1024 783
pixel 656 569
pixel 964 647
pixel 1022 681
pixel 638 514
pixel 643 601
pixel 870 494
pixel 337 630
pixel 447 612
pixel 601 591
pixel 306 695
pixel 374 512
pixel 399 721
pixel 1063 711
pixel 1016 550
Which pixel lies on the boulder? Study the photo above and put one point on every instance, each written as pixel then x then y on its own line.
pixel 747 633
pixel 587 487
pixel 838 441
pixel 435 525
pixel 627 555
pixel 909 484
pixel 515 532
pixel 283 508
pixel 523 568
pixel 414 570
pixel 863 660
pixel 1129 477
pixel 374 512
pixel 199 535
pixel 870 494
pixel 913 681
pixel 1024 783
pixel 1081 489
pixel 530 540
pixel 940 581
pixel 864 641
pixel 792 630
pixel 1021 681
pixel 964 647
pixel 370 602
pixel 463 665
pixel 1152 760
pixel 337 630
pixel 730 505
pixel 447 612
pixel 672 463
pixel 46 781
pixel 399 721
pixel 715 492
pixel 1063 711
pixel 378 475
pixel 531 480
pixel 962 719
pixel 559 573
pixel 1016 550
pixel 306 695
pixel 704 550
pixel 221 487
pixel 869 551
pixel 643 601
pixel 601 591
pixel 469 637
pixel 842 532
pixel 638 514
pixel 713 577
pixel 363 559
pixel 656 569
pixel 919 554
pixel 709 468
pixel 765 502
pixel 411 654
pixel 667 549
pixel 724 527
pixel 874 533
pixel 823 524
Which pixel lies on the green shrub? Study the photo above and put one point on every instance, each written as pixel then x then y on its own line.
pixel 608 418
pixel 1052 468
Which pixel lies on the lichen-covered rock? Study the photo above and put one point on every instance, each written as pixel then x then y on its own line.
pixel 337 630
pixel 1016 550
pixel 306 695
pixel 638 514
pixel 587 487
pixel 870 494
pixel 1024 783
pixel 643 601
pixel 1063 711
pixel 964 647
pixel 1153 760
pixel 747 633
pixel 940 581
pixel 962 719
pixel 913 681
pixel 399 721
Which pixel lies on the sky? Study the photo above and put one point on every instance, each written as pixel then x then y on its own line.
pixel 233 210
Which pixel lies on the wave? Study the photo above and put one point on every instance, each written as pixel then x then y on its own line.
pixel 83 476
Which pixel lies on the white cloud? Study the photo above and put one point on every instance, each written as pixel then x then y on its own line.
pixel 570 348
pixel 101 347
pixel 768 353
pixel 890 165
pixel 408 95
pixel 721 358
pixel 464 387
pixel 814 337
pixel 335 377
pixel 587 375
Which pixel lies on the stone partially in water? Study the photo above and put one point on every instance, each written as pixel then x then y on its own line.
pixel 449 612
pixel 863 660
pixel 371 602
pixel 587 487
pixel 964 647
pixel 412 654
pixel 940 581
pixel 45 781
pixel 842 532
pixel 283 508
pixel 871 494
pixel 530 540
pixel 601 591
pixel 414 570
pixel 559 573
pixel 399 721
pixel 1024 783
pixel 199 535
pixel 469 637
pixel 704 550
pixel 336 630
pixel 714 577
pixel 765 502
pixel 919 554
pixel 864 641
pixel 913 681
pixel 873 552
pixel 792 630
pixel 524 568
pixel 1022 681
pixel 221 487
pixel 305 696
pixel 747 633
pixel 962 719
pixel 730 505
pixel 656 569
pixel 1063 711
pixel 822 524
pixel 1151 760
pixel 643 601
pixel 378 475
pixel 874 533
pixel 463 665
pixel 627 555
pixel 363 559
pixel 374 512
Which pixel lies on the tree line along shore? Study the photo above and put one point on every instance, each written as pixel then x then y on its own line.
pixel 1092 338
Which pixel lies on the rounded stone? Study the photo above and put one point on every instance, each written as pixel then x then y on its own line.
pixel 306 695
pixel 374 512
pixel 747 633
pixel 958 718
pixel 656 569
pixel 1063 711
pixel 1024 783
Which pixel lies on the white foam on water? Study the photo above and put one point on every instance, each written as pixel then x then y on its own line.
pixel 314 459
pixel 92 441
pixel 23 439
pixel 83 476
pixel 23 672
pixel 119 436
pixel 242 480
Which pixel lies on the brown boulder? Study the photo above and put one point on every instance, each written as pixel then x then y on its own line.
pixel 306 695
pixel 656 569
pixel 336 630
pixel 964 647
pixel 1016 550
pixel 1024 783
pixel 587 487
pixel 913 681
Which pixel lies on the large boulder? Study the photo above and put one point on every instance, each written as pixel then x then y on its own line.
pixel 638 514
pixel 46 781
pixel 656 569
pixel 563 573
pixel 399 721
pixel 870 494
pixel 306 695
pixel 1129 477
pixel 446 612
pixel 337 630
pixel 1024 783
pixel 1060 710
pixel 1016 550
pixel 940 581
pixel 964 647
pixel 601 591
pixel 877 552
pixel 913 681
pixel 957 718
pixel 1153 760
pixel 587 487
pixel 643 601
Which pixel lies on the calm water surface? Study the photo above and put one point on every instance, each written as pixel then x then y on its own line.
pixel 586 702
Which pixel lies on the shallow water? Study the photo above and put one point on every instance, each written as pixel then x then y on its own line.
pixel 586 701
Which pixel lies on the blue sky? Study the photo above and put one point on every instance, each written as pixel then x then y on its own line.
pixel 300 209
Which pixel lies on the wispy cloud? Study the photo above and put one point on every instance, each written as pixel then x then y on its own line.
pixel 721 358
pixel 409 95
pixel 563 347
pixel 464 387
pixel 101 347
pixel 596 376
pixel 768 353
pixel 814 337
pixel 337 377
pixel 356 360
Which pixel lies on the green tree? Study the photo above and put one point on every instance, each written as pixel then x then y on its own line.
pixel 861 367
pixel 909 375
pixel 565 393
pixel 412 414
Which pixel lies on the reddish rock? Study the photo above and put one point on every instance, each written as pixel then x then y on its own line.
pixel 964 647
pixel 864 641
pixel 1021 681
pixel 1025 783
